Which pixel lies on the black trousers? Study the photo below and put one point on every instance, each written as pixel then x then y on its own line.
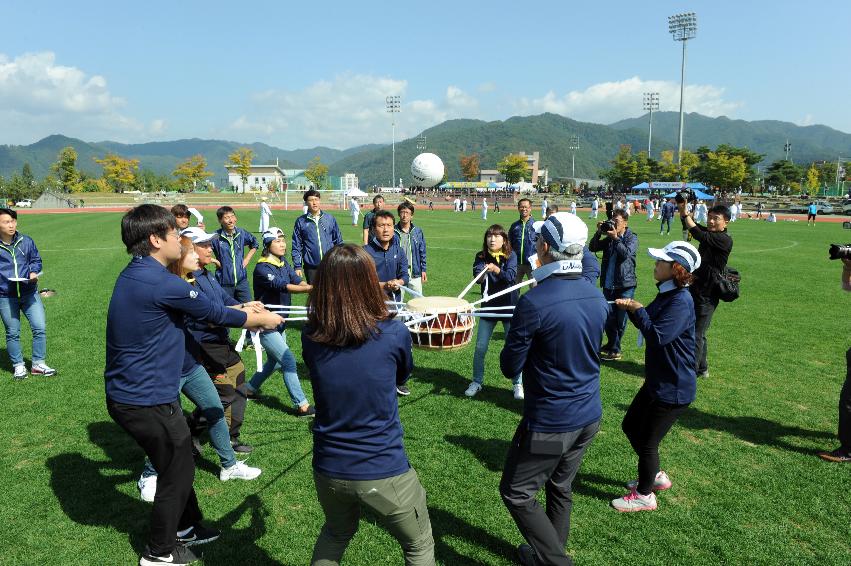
pixel 550 460
pixel 845 408
pixel 645 424
pixel 161 431
pixel 704 308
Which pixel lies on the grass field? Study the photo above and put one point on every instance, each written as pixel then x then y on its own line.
pixel 748 488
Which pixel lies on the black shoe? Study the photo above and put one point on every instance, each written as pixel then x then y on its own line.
pixel 199 535
pixel 402 390
pixel 241 448
pixel 703 374
pixel 526 555
pixel 307 413
pixel 179 556
pixel 836 456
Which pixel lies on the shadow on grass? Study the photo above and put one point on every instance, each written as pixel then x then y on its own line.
pixel 627 367
pixel 491 453
pixel 88 493
pixel 753 430
pixel 452 383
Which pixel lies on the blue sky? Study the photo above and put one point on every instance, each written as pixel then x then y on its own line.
pixel 316 73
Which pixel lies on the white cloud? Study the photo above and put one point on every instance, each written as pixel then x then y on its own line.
pixel 609 102
pixel 39 97
pixel 807 120
pixel 348 110
pixel 487 87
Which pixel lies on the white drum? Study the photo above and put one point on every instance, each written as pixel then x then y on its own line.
pixel 449 323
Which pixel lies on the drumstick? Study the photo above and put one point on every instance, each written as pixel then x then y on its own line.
pixel 496 308
pixel 504 291
pixel 280 307
pixel 492 315
pixel 411 291
pixel 473 282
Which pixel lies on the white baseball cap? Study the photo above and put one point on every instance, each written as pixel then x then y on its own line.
pixel 271 235
pixel 562 230
pixel 678 251
pixel 197 235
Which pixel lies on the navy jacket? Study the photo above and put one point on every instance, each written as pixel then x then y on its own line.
pixel 204 332
pixel 590 265
pixel 667 210
pixel 145 340
pixel 18 260
pixel 667 325
pixel 357 434
pixel 522 239
pixel 417 251
pixel 271 277
pixel 554 341
pixel 496 283
pixel 390 264
pixel 313 238
pixel 622 251
pixel 230 251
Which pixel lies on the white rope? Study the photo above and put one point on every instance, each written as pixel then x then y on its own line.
pixel 420 320
pixel 282 307
pixel 505 291
pixel 473 282
pixel 485 309
pixel 492 315
pixel 411 291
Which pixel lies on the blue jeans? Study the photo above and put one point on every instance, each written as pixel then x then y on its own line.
pixel 662 225
pixel 616 321
pixel 240 291
pixel 33 309
pixel 199 388
pixel 278 354
pixel 483 337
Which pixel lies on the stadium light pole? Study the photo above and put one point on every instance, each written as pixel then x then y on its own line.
pixel 573 145
pixel 682 27
pixel 787 147
pixel 394 104
pixel 421 143
pixel 651 103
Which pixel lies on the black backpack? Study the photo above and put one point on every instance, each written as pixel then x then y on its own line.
pixel 726 284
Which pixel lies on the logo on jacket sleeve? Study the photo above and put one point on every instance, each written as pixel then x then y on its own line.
pixel 193 294
pixel 270 276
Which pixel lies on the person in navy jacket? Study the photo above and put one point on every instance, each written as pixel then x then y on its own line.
pixel 314 233
pixel 274 280
pixel 554 337
pixel 412 242
pixel 500 261
pixel 522 236
pixel 145 353
pixel 20 268
pixel 391 263
pixel 357 355
pixel 670 384
pixel 229 248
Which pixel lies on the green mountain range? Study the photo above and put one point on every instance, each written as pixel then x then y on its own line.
pixel 548 134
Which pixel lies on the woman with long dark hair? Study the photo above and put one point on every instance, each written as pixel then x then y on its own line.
pixel 670 384
pixel 357 354
pixel 497 258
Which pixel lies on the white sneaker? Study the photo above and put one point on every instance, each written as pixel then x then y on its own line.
pixel 42 368
pixel 147 488
pixel 473 389
pixel 239 471
pixel 634 501
pixel 518 392
pixel 661 483
pixel 20 371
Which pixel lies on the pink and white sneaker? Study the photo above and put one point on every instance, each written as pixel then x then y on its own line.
pixel 634 501
pixel 661 483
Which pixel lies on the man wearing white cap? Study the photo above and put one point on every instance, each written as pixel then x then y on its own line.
pixel 670 384
pixel 554 338
pixel 265 215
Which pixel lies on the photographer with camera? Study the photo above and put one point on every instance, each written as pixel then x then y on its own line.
pixel 617 276
pixel 715 247
pixel 843 453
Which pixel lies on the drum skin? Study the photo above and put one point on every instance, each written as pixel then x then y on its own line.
pixel 451 326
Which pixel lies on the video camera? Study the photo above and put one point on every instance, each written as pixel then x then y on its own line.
pixel 685 195
pixel 838 251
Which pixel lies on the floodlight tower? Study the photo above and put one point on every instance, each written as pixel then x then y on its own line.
pixel 787 147
pixel 682 27
pixel 421 143
pixel 573 145
pixel 394 105
pixel 651 103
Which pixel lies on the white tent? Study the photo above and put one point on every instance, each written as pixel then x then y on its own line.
pixel 356 193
